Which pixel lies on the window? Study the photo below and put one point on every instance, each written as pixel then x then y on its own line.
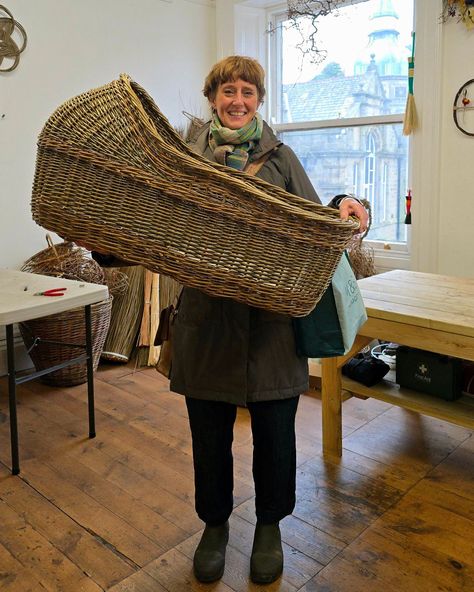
pixel 344 116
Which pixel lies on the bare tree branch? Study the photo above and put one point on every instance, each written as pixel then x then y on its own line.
pixel 303 16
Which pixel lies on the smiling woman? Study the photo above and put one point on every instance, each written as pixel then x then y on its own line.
pixel 226 354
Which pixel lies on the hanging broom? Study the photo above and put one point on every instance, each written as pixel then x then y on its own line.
pixel 410 121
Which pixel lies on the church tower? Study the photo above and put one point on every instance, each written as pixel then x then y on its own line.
pixel 386 52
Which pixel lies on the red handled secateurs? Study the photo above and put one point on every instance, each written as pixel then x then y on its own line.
pixel 52 292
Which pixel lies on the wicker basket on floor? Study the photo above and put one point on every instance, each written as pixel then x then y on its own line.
pixel 64 328
pixel 113 173
pixel 66 260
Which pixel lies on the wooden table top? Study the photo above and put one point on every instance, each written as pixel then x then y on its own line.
pixel 18 304
pixel 429 300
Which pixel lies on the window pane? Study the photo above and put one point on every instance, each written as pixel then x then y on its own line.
pixel 364 72
pixel 368 161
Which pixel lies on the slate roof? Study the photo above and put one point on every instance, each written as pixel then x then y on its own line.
pixel 329 97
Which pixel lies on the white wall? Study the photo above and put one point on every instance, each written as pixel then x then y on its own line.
pixel 456 205
pixel 166 46
pixel 443 215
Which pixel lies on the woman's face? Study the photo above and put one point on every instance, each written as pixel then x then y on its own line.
pixel 236 103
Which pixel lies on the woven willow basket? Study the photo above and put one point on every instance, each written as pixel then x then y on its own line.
pixel 63 328
pixel 112 172
pixel 47 338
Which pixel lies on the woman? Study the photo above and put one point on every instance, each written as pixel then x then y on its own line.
pixel 227 354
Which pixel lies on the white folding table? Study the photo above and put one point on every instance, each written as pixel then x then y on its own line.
pixel 19 302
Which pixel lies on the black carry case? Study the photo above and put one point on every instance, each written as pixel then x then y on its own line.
pixel 430 373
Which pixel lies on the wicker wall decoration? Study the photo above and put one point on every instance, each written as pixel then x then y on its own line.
pixel 463 108
pixel 113 173
pixel 9 50
pixel 462 10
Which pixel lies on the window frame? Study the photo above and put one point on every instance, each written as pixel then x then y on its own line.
pixel 386 253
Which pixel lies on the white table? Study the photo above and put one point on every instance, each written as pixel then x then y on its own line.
pixel 18 303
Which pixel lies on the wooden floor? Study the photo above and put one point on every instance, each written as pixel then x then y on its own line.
pixel 116 513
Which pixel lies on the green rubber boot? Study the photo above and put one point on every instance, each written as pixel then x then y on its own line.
pixel 209 557
pixel 266 563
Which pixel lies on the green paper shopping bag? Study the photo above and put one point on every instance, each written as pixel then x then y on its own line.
pixel 331 328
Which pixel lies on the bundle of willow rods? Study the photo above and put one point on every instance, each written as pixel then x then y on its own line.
pixel 146 352
pixel 159 292
pixel 126 316
pixel 134 189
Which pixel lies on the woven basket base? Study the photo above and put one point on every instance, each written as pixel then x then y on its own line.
pixel 66 327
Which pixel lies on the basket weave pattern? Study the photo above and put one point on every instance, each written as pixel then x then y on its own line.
pixel 113 173
pixel 63 328
pixel 65 260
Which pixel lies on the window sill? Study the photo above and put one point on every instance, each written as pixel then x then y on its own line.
pixel 390 256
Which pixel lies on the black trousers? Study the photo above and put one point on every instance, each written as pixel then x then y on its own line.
pixel 274 458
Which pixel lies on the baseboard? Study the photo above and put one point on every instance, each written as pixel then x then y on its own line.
pixel 22 359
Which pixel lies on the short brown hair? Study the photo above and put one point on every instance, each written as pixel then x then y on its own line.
pixel 231 69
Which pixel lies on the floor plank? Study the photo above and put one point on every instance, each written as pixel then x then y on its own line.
pixel 77 543
pixel 39 557
pixel 97 518
pixel 13 576
pixel 140 581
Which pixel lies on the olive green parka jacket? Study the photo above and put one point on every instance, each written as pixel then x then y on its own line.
pixel 227 351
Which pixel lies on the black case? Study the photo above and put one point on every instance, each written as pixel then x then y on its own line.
pixel 428 372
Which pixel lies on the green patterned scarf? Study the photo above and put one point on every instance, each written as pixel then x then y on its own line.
pixel 231 147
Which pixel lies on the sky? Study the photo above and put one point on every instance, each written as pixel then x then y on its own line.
pixel 344 35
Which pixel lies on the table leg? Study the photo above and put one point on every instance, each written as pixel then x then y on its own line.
pixel 12 400
pixel 331 395
pixel 90 371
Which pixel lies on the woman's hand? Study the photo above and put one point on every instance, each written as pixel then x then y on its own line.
pixel 351 207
